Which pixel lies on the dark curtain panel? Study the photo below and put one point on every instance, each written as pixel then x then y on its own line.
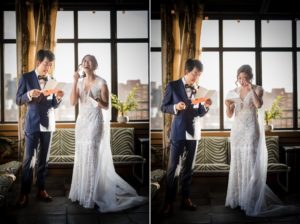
pixel 181 28
pixel 36 20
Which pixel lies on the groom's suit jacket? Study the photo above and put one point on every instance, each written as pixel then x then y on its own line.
pixel 40 110
pixel 183 119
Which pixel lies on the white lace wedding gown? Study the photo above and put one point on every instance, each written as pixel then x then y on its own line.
pixel 94 180
pixel 247 186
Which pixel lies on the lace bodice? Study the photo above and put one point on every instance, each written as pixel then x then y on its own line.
pixel 245 118
pixel 85 101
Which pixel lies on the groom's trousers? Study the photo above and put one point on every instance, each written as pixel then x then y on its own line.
pixel 33 142
pixel 177 149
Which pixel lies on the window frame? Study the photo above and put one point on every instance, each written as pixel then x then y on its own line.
pixel 154 49
pixel 113 41
pixel 2 43
pixel 257 49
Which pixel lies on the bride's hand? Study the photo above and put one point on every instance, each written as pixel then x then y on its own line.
pixel 228 103
pixel 249 85
pixel 76 76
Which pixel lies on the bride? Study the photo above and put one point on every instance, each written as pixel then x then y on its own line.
pixel 94 180
pixel 247 186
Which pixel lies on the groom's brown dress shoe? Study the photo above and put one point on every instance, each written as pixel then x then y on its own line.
pixel 44 196
pixel 167 210
pixel 22 201
pixel 187 204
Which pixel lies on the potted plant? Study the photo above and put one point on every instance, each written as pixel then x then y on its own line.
pixel 124 106
pixel 274 113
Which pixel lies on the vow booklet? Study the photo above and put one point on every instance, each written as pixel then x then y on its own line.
pixel 232 95
pixel 202 95
pixel 52 87
pixel 92 99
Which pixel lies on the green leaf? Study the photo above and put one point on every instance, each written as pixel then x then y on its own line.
pixel 129 104
pixel 275 111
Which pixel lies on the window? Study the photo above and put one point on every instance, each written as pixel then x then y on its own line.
pixel 156 91
pixel 298 33
pixel 279 65
pixel 133 71
pixel 210 80
pixel 238 33
pixel 123 58
pixel 210 33
pixel 63 72
pixel 9 25
pixel 131 54
pixel 99 21
pixel 132 24
pixel 133 58
pixel 277 68
pixel 65 29
pixel 232 61
pixel 156 76
pixel 8 108
pixel 10 82
pixel 274 70
pixel 155 33
pixel 276 33
pixel 298 86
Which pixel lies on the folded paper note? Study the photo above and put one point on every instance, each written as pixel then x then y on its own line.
pixel 233 96
pixel 93 101
pixel 52 87
pixel 202 95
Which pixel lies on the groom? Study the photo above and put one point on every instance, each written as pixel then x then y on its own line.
pixel 184 132
pixel 39 124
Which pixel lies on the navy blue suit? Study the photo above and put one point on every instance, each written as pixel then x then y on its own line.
pixel 38 110
pixel 182 123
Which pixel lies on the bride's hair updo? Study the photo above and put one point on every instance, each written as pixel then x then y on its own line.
pixel 245 69
pixel 93 59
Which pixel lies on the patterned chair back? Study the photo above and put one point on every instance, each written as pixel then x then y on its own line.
pixel 273 149
pixel 63 144
pixel 122 141
pixel 212 150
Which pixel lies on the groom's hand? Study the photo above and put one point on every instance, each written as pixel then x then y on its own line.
pixel 207 102
pixel 59 95
pixel 180 106
pixel 35 93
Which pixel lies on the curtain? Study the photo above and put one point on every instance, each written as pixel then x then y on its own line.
pixel 181 29
pixel 36 20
